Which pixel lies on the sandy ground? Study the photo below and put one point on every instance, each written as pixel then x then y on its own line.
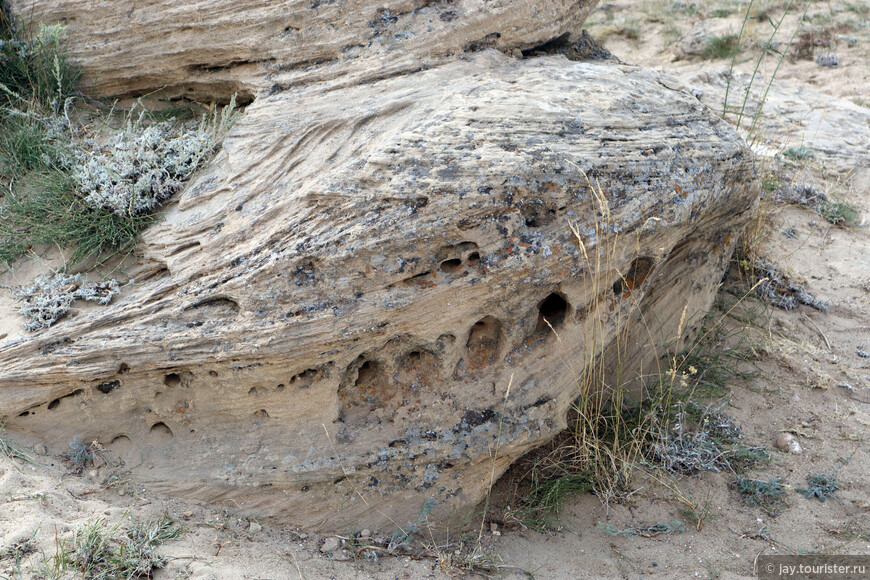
pixel 810 381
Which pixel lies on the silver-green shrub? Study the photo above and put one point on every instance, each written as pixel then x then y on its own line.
pixel 143 165
pixel 49 298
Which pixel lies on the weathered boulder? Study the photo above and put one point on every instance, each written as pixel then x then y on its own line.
pixel 325 326
pixel 208 50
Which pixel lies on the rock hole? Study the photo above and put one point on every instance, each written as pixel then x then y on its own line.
pixel 484 340
pixel 252 391
pixel 23 413
pixel 279 388
pixel 261 414
pixel 56 403
pixel 123 368
pixel 217 306
pixel 304 379
pixel 367 373
pixel 108 386
pixel 451 266
pixel 363 389
pixel 172 380
pixel 212 373
pixel 474 258
pixel 184 247
pixel 161 432
pixel 424 280
pixel 638 271
pixel 119 439
pixel 551 312
pixel 536 214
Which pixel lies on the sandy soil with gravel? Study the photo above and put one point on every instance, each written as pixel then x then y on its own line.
pixel 811 379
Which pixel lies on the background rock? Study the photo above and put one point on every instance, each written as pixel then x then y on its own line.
pixel 208 50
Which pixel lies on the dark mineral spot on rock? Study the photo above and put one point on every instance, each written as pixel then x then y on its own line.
pixel 552 311
pixel 473 418
pixel 108 386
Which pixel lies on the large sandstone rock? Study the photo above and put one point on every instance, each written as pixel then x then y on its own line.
pixel 325 326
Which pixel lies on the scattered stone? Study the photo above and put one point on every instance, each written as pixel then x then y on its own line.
pixel 330 545
pixel 187 515
pixel 828 60
pixel 789 443
pixel 365 533
pixel 781 292
pixel 40 449
pixel 254 527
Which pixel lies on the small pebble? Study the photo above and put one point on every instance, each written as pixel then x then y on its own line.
pixel 365 534
pixel 330 545
pixel 187 514
pixel 254 527
pixel 121 492
pixel 40 449
pixel 789 443
pixel 828 60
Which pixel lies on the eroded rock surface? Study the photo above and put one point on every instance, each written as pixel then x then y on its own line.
pixel 208 50
pixel 348 291
pixel 325 326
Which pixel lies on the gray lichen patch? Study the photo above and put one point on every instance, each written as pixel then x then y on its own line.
pixel 49 298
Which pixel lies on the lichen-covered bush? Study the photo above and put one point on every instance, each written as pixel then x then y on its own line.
pixel 143 165
pixel 49 298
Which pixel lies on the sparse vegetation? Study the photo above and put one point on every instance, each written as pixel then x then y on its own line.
pixel 768 495
pixel 821 486
pixel 651 531
pixel 800 153
pixel 80 454
pixel 722 47
pixel 97 551
pixel 49 298
pixel 70 184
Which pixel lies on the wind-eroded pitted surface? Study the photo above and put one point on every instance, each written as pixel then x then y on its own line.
pixel 325 325
pixel 373 262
